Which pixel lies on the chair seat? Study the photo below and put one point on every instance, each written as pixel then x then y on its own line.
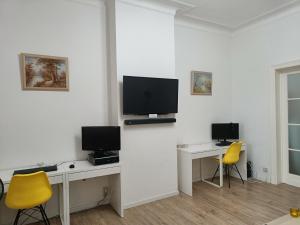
pixel 27 200
pixel 224 162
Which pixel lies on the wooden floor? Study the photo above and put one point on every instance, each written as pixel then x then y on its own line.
pixel 251 203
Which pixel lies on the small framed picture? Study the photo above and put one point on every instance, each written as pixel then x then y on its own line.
pixel 44 73
pixel 201 83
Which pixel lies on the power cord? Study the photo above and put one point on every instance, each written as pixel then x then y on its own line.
pixel 61 163
pixel 105 198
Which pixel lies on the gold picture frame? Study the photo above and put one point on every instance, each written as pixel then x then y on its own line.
pixel 201 83
pixel 44 73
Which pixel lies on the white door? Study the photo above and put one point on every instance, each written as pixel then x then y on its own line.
pixel 290 128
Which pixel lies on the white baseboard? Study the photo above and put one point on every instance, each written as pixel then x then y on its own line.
pixel 151 199
pixel 262 176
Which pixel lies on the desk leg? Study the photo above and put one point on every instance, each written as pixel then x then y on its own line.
pixel 67 200
pixel 185 172
pixel 221 169
pixel 64 210
pixel 116 200
pixel 61 203
pixel 201 170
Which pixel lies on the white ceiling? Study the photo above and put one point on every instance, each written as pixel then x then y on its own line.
pixel 231 14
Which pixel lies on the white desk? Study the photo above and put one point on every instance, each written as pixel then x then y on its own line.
pixel 55 177
pixel 186 153
pixel 285 220
pixel 83 170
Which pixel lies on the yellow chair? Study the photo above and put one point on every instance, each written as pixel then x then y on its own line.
pixel 29 191
pixel 231 157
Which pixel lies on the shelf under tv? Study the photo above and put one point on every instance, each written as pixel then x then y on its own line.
pixel 149 121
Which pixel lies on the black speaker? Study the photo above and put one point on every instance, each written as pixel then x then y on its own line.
pixel 149 121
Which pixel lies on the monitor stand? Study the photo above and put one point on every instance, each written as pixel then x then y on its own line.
pixel 224 143
pixel 101 154
pixel 104 157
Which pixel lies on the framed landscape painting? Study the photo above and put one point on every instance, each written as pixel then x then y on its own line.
pixel 41 72
pixel 201 83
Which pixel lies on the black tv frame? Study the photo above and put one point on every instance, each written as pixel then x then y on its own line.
pixel 142 112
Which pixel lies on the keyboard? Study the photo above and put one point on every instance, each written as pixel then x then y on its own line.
pixel 37 169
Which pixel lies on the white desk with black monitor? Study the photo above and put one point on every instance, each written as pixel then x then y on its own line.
pixel 98 139
pixel 65 175
pixel 205 152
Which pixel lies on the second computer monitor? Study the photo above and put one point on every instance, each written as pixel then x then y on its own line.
pixel 224 131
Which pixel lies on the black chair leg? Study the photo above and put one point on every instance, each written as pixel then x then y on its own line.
pixel 42 211
pixel 44 215
pixel 212 180
pixel 17 217
pixel 239 173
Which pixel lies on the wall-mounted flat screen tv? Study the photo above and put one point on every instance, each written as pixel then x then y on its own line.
pixel 147 95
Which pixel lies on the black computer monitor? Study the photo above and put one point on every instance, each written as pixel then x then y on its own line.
pixel 101 138
pixel 223 131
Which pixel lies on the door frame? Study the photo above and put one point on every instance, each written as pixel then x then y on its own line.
pixel 275 115
pixel 287 177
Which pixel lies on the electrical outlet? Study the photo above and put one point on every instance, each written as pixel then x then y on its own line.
pixel 265 170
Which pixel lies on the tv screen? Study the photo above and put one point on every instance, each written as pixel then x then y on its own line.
pixel 104 138
pixel 145 95
pixel 225 131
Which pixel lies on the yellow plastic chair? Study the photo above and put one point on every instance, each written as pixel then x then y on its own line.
pixel 231 157
pixel 29 191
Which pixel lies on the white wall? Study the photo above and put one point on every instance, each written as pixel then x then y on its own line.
pixel 37 126
pixel 254 51
pixel 202 50
pixel 145 47
pixel 47 125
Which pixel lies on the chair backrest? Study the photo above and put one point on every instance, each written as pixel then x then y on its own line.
pixel 232 155
pixel 29 188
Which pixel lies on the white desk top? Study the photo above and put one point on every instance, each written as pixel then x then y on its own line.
pixel 86 166
pixel 285 220
pixel 6 175
pixel 62 168
pixel 201 147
